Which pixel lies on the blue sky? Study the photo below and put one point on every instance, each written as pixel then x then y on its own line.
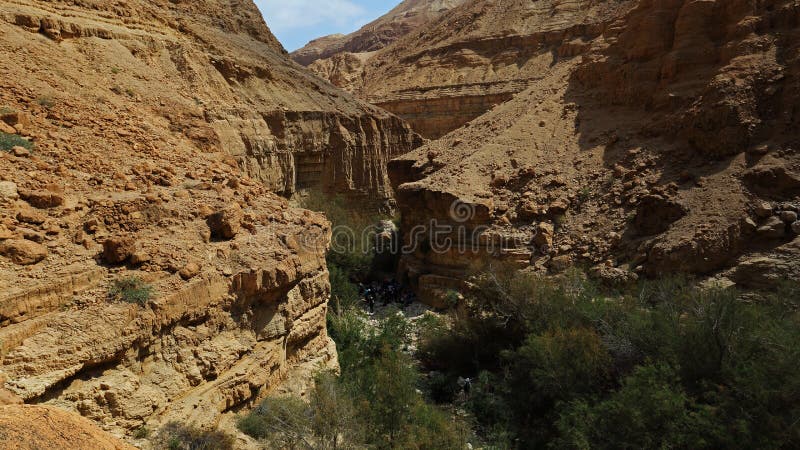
pixel 295 22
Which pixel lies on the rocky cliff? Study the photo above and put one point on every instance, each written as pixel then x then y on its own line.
pixel 148 272
pixel 667 143
pixel 398 22
pixel 454 68
pixel 224 82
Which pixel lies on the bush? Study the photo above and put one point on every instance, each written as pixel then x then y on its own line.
pixel 9 141
pixel 176 436
pixel 45 101
pixel 344 293
pixel 649 411
pixel 130 290
pixel 281 421
pixel 669 365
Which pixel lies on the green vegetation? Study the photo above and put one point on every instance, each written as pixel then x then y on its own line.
pixel 130 290
pixel 175 436
pixel 375 403
pixel 559 364
pixel 6 110
pixel 351 256
pixel 141 433
pixel 9 141
pixel 45 101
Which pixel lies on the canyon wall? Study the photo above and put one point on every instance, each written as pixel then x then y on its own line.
pixel 455 67
pixel 667 144
pixel 148 270
pixel 398 22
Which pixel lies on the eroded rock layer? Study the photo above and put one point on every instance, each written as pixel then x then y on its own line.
pixel 668 144
pixel 217 75
pixel 398 22
pixel 456 67
pixel 148 273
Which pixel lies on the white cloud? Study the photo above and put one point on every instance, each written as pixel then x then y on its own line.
pixel 286 15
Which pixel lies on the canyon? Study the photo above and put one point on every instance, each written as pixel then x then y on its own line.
pixel 154 270
pixel 660 139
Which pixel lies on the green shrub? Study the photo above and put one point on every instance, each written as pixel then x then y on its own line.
pixel 46 101
pixel 141 433
pixel 9 141
pixel 563 364
pixel 131 290
pixel 176 436
pixel 344 293
pixel 649 411
pixel 284 422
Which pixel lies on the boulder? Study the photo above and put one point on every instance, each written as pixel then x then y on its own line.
pixel 6 128
pixel 117 250
pixel 772 228
pixel 23 252
pixel 613 276
pixel 789 217
pixel 225 224
pixel 763 210
pixel 8 190
pixel 543 239
pixel 20 152
pixel 558 207
pixel 189 271
pixel 42 199
pixel 14 118
pixel 31 216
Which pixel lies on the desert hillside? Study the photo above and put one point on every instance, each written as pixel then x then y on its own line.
pixel 453 68
pixel 664 141
pixel 398 22
pixel 597 245
pixel 148 270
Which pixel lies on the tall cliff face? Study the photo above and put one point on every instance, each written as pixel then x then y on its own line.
pixel 157 131
pixel 454 68
pixel 237 91
pixel 395 24
pixel 668 144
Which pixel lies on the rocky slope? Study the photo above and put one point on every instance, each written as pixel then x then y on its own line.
pixel 37 427
pixel 667 143
pixel 455 68
pixel 158 131
pixel 398 22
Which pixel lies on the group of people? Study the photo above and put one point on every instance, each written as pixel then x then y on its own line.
pixel 386 292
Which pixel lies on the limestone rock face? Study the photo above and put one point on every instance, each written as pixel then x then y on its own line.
pixel 654 126
pixel 213 73
pixel 147 117
pixel 456 66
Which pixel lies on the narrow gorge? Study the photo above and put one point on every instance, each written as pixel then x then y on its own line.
pixel 466 224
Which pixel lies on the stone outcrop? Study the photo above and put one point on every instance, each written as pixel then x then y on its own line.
pixel 236 91
pixel 455 67
pixel 648 141
pixel 122 298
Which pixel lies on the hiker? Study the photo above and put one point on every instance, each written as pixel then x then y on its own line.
pixel 467 387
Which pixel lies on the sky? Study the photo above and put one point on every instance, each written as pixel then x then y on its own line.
pixel 295 22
